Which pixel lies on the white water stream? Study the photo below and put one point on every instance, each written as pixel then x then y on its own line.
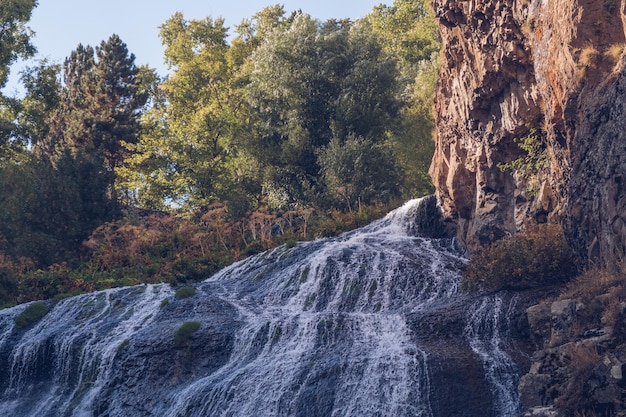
pixel 321 330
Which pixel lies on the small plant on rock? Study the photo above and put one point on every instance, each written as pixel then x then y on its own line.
pixel 531 165
pixel 185 292
pixel 31 314
pixel 185 331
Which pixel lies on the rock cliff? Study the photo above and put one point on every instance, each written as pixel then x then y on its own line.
pixel 580 364
pixel 551 71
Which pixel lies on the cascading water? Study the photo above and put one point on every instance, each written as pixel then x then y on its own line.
pixel 336 327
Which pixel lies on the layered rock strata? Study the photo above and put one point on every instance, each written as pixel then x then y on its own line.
pixel 549 70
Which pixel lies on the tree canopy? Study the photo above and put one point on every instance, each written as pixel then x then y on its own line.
pixel 287 128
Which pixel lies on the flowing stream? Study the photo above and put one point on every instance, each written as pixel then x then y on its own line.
pixel 346 326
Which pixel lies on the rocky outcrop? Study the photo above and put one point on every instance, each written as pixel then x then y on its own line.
pixel 579 367
pixel 554 70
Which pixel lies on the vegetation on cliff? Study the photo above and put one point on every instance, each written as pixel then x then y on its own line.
pixel 537 257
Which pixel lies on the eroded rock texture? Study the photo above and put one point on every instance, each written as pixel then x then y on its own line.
pixel 553 67
pixel 579 364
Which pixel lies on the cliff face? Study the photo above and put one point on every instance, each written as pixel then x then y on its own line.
pixel 549 70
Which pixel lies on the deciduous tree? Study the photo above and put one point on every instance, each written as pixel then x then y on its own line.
pixel 14 44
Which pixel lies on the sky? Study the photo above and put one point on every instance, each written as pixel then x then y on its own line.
pixel 60 25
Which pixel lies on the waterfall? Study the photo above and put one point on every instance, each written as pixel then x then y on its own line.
pixel 341 326
pixel 485 324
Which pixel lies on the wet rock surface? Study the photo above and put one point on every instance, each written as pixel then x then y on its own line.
pixel 367 324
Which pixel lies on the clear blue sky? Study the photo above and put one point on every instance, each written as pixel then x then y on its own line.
pixel 61 25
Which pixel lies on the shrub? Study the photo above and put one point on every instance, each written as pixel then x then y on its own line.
pixel 588 56
pixel 31 314
pixel 576 396
pixel 591 283
pixel 185 292
pixel 532 164
pixel 185 331
pixel 122 345
pixel 290 243
pixel 534 258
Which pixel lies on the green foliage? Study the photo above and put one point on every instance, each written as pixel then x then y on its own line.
pixel 408 31
pixel 100 101
pixel 46 211
pixel 293 130
pixel 360 172
pixel 31 314
pixel 14 44
pixel 122 345
pixel 43 97
pixel 185 154
pixel 538 257
pixel 15 35
pixel 185 331
pixel 9 273
pixel 55 282
pixel 312 82
pixel 535 161
pixel 185 292
pixel 62 296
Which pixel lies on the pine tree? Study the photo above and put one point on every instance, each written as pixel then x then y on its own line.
pixel 101 102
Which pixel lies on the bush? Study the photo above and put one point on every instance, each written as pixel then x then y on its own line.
pixel 534 258
pixel 185 292
pixel 185 331
pixel 31 314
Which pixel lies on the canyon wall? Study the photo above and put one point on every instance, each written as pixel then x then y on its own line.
pixel 548 72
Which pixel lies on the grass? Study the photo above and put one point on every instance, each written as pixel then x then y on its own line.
pixel 31 314
pixel 185 331
pixel 122 345
pixel 185 292
pixel 602 291
pixel 591 283
pixel 615 51
pixel 588 56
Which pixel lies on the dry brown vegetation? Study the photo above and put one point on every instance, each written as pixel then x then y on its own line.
pixel 593 282
pixel 536 257
pixel 153 247
pixel 583 359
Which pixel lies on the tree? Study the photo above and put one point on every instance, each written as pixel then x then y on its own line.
pixel 187 155
pixel 311 82
pixel 408 30
pixel 101 101
pixel 43 96
pixel 14 34
pixel 358 171
pixel 14 44
pixel 47 211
